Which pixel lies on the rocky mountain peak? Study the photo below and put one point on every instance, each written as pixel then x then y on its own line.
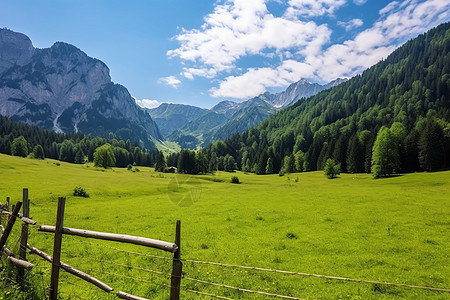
pixel 15 49
pixel 63 89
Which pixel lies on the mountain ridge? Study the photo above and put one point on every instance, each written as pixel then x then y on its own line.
pixel 63 89
pixel 227 117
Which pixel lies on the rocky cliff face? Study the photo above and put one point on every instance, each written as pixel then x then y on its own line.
pixel 15 49
pixel 63 89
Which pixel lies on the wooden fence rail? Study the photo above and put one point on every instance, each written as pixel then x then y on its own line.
pixel 166 246
pixel 71 270
pixel 59 230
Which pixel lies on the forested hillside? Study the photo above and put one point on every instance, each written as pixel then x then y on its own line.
pixel 73 147
pixel 405 100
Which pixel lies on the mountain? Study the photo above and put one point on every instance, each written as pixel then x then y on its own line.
pixel 406 97
pixel 63 89
pixel 228 117
pixel 298 90
pixel 170 117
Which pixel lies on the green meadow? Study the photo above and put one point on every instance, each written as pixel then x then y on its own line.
pixel 393 229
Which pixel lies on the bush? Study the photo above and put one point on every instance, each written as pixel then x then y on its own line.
pixel 332 169
pixel 235 180
pixel 80 192
pixel 129 167
pixel 291 236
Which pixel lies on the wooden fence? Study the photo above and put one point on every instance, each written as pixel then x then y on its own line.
pixel 59 230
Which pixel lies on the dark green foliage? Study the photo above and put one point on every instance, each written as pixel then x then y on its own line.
pixel 160 165
pixel 79 157
pixel 104 157
pixel 291 236
pixel 261 164
pixel 213 162
pixel 431 146
pixel 235 180
pixel 269 167
pixel 19 147
pixel 67 152
pixel 229 163
pixel 331 169
pixel 38 152
pixel 80 192
pixel 66 146
pixel 186 162
pixel 342 122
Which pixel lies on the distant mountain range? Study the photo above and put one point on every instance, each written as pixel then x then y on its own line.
pixel 63 89
pixel 191 126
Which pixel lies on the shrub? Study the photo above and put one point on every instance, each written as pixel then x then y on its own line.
pixel 235 180
pixel 80 192
pixel 129 167
pixel 19 147
pixel 38 152
pixel 291 236
pixel 332 169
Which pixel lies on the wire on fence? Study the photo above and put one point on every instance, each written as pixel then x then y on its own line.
pixel 286 272
pixel 242 289
pixel 319 276
pixel 166 285
pixel 207 294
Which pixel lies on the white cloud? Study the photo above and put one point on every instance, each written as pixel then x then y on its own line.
pixel 147 103
pixel 255 81
pixel 189 73
pixel 405 20
pixel 389 7
pixel 351 24
pixel 359 2
pixel 239 28
pixel 170 80
pixel 243 28
pixel 313 8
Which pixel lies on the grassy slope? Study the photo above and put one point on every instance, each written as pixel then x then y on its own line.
pixel 394 229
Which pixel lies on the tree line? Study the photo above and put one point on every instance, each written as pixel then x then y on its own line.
pixel 23 139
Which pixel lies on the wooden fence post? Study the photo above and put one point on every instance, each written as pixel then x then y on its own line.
pixel 56 262
pixel 177 266
pixel 10 225
pixel 24 235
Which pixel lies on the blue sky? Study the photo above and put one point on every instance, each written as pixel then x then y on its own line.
pixel 203 52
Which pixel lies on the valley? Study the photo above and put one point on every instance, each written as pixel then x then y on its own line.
pixel 390 230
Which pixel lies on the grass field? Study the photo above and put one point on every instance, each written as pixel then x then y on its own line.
pixel 394 229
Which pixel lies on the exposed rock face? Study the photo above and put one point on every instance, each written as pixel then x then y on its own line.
pixel 15 49
pixel 63 89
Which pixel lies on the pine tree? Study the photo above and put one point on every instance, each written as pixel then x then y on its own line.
pixel 79 156
pixel 431 152
pixel 269 167
pixel 160 165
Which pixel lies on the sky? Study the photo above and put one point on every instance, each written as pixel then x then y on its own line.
pixel 203 52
